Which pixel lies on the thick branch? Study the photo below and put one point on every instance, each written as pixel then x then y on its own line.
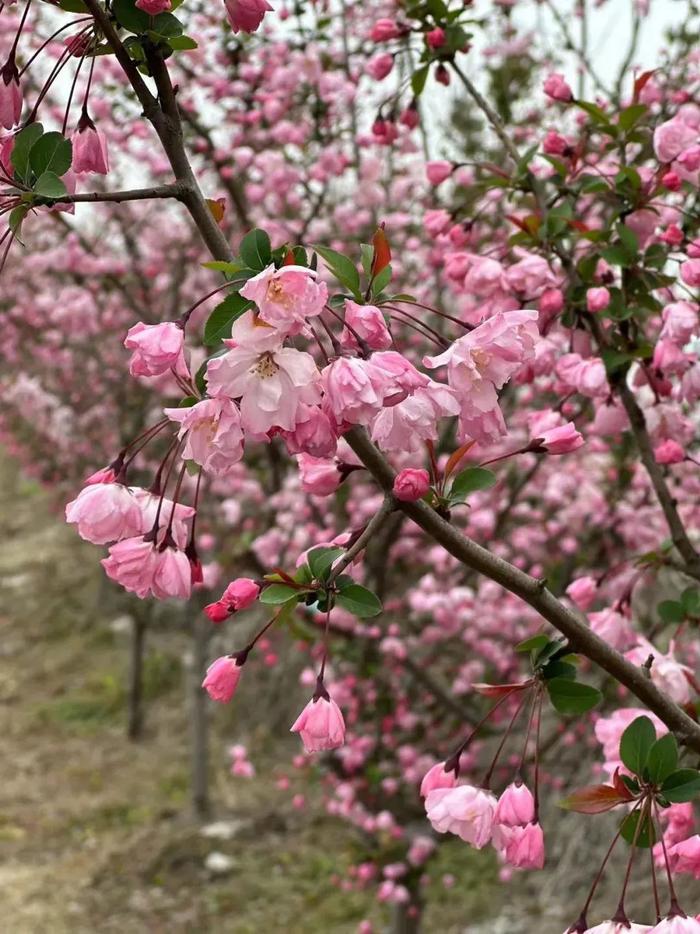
pixel 368 533
pixel 118 197
pixel 533 592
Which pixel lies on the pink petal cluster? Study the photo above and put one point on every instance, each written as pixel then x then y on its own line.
pixel 246 15
pixel 213 431
pixel 411 484
pixel 157 348
pixel 222 678
pixel 239 595
pixel 463 810
pixel 286 297
pixel 320 725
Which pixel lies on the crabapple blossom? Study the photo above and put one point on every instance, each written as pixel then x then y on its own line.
pixel 286 297
pixel 105 512
pixel 411 484
pixel 212 429
pixel 246 15
pixel 320 725
pixel 157 348
pixel 222 679
pixel 463 810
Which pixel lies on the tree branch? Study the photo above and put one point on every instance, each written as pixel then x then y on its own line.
pixel 533 592
pixel 118 197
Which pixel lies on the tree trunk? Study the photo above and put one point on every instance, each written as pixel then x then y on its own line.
pixel 406 918
pixel 135 689
pixel 199 721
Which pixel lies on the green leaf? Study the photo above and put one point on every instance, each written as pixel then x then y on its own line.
pixel 690 599
pixel 559 669
pixel 662 759
pixel 49 185
pixel 594 112
pixel 381 280
pixel 680 786
pixel 276 594
pixel 645 836
pixel 321 559
pixel 182 43
pixel 52 153
pixel 256 250
pixel 167 26
pixel 571 696
pixel 132 19
pixel 219 265
pixel 342 268
pixel 630 115
pixel 17 216
pixel 358 600
pixel 418 79
pixel 471 480
pixel 629 240
pixel 367 255
pixel 222 317
pixel 24 141
pixel 671 611
pixel 635 744
pixel 534 643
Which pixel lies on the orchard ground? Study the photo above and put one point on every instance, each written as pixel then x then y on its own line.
pixel 96 832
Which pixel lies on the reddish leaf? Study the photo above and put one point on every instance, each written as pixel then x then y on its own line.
pixel 499 690
pixel 529 225
pixel 285 577
pixel 594 799
pixel 382 251
pixel 456 457
pixel 217 208
pixel 640 82
pixel 289 258
pixel 579 225
pixel 621 788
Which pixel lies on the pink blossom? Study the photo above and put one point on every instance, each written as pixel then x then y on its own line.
pixel 157 348
pixel 677 924
pixel 153 7
pixel 669 358
pixel 404 426
pixel 529 276
pixel 680 321
pixel 551 301
pixel 481 362
pixel 319 475
pixel 435 38
pixel 463 810
pixel 132 564
pixel 597 299
pixel 586 376
pixel 239 594
pixel 520 846
pixel 105 512
pixel 368 322
pixel 618 927
pixel 582 592
pixel 286 297
pixel 320 725
pixel 685 856
pixel 270 384
pixel 10 95
pixel 411 484
pixel 516 806
pixel 668 674
pixel 486 277
pixel 690 272
pixel 612 627
pixel 89 149
pixel 222 678
pixel 438 171
pixel 172 574
pixel 557 89
pixel 609 730
pixel 314 433
pixel 246 15
pixel 385 29
pixel 213 431
pixel 354 390
pixel 671 138
pixel 554 144
pixel 380 66
pixel 559 440
pixel 669 452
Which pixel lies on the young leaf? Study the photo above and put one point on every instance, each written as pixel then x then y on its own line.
pixel 279 593
pixel 497 690
pixel 643 837
pixel 342 268
pixel 23 143
pixel 418 79
pixel 321 559
pixel 52 153
pixel 635 744
pixel 256 250
pixel 594 799
pixel 222 317
pixel 49 185
pixel 571 696
pixel 456 456
pixel 680 786
pixel 381 281
pixel 690 599
pixel 534 643
pixel 671 611
pixel 381 256
pixel 358 600
pixel 663 759
pixel 470 481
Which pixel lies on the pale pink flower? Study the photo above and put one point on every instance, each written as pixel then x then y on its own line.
pixel 403 427
pixel 685 856
pixel 563 439
pixel 435 38
pixel 172 574
pixel 89 148
pixel 132 564
pixel 354 390
pixel 319 476
pixel 10 95
pixel 314 433
pixel 669 452
pixel 105 512
pixel 214 434
pixel 582 592
pixel 385 29
pixel 411 484
pixel 690 272
pixel 464 810
pixel 516 806
pixel 680 321
pixel 586 376
pixel 367 321
pixel 222 678
pixel 668 674
pixel 617 927
pixel 239 594
pixel 157 348
pixel 672 138
pixel 270 384
pixel 520 846
pixel 557 89
pixel 597 299
pixel 482 362
pixel 677 924
pixel 669 358
pixel 530 275
pixel 150 506
pixel 612 627
pixel 485 277
pixel 246 15
pixel 286 297
pixel 438 171
pixel 437 777
pixel 380 65
pixel 320 725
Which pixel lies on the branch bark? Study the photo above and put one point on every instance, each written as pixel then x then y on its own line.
pixel 176 190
